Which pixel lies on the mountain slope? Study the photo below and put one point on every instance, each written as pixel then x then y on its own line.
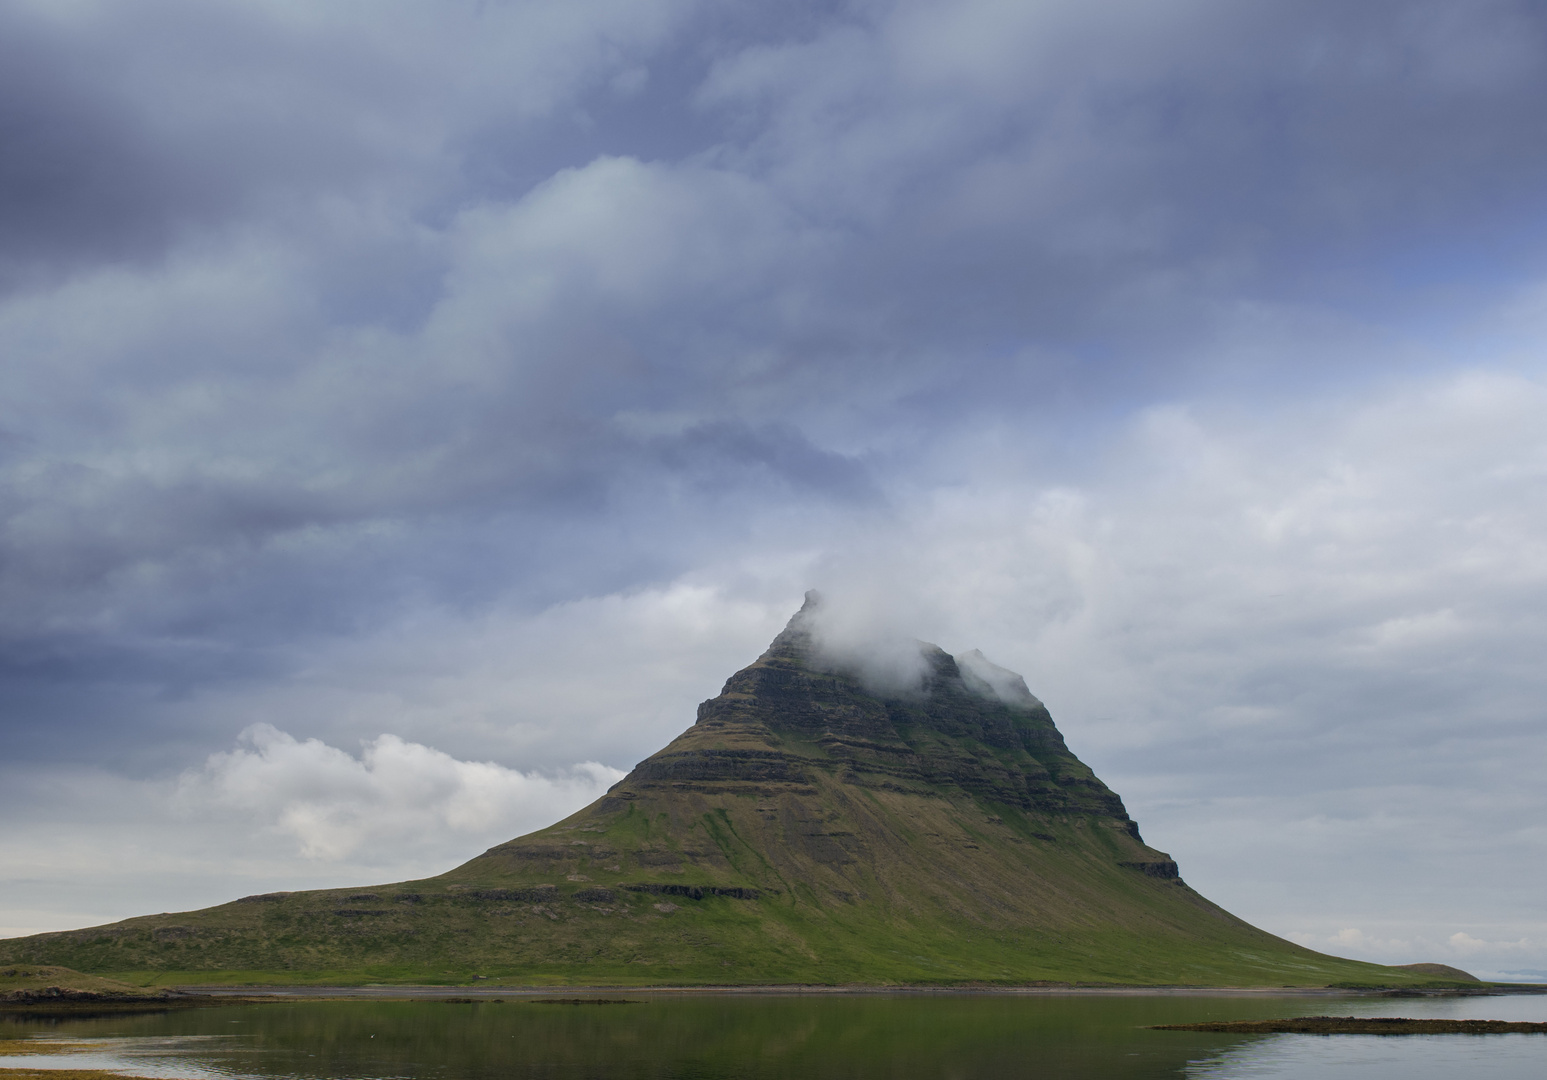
pixel 806 829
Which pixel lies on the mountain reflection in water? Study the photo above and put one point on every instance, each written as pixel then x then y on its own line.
pixel 815 1037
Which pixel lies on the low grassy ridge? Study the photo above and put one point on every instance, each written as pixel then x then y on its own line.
pixel 51 988
pixel 805 830
pixel 21 981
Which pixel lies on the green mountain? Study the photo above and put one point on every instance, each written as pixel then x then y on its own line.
pixel 806 829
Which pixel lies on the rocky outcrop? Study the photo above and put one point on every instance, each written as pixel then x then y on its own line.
pixel 975 731
pixel 45 995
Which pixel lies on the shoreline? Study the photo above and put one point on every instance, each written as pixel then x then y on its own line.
pixel 213 996
pixel 489 993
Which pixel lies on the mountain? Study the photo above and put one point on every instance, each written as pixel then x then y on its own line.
pixel 810 827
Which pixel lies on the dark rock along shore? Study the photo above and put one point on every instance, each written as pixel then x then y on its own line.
pixel 1363 1025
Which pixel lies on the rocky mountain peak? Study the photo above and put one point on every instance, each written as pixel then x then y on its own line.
pixel 969 729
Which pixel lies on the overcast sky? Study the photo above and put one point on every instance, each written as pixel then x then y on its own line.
pixel 410 411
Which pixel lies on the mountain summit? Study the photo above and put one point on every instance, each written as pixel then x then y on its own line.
pixel 812 826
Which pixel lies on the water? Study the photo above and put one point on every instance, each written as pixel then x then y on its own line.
pixel 706 1037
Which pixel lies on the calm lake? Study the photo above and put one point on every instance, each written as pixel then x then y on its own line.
pixel 706 1037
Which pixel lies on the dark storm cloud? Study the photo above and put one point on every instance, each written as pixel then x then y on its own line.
pixel 124 128
pixel 128 126
pixel 74 182
pixel 418 288
pixel 1103 175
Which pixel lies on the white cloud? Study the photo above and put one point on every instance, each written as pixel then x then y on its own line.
pixel 274 812
pixel 396 796
pixel 1467 945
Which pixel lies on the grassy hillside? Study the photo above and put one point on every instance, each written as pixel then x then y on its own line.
pixel 1013 900
pixel 804 830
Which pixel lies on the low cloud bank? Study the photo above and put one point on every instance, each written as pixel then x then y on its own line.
pixel 859 634
pixel 396 795
pixel 274 812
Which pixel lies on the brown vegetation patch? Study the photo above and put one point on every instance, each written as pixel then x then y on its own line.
pixel 9 1047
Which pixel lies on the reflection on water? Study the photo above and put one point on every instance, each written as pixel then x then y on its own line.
pixel 1377 1057
pixel 1406 1057
pixel 814 1038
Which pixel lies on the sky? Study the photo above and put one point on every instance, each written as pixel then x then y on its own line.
pixel 410 411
